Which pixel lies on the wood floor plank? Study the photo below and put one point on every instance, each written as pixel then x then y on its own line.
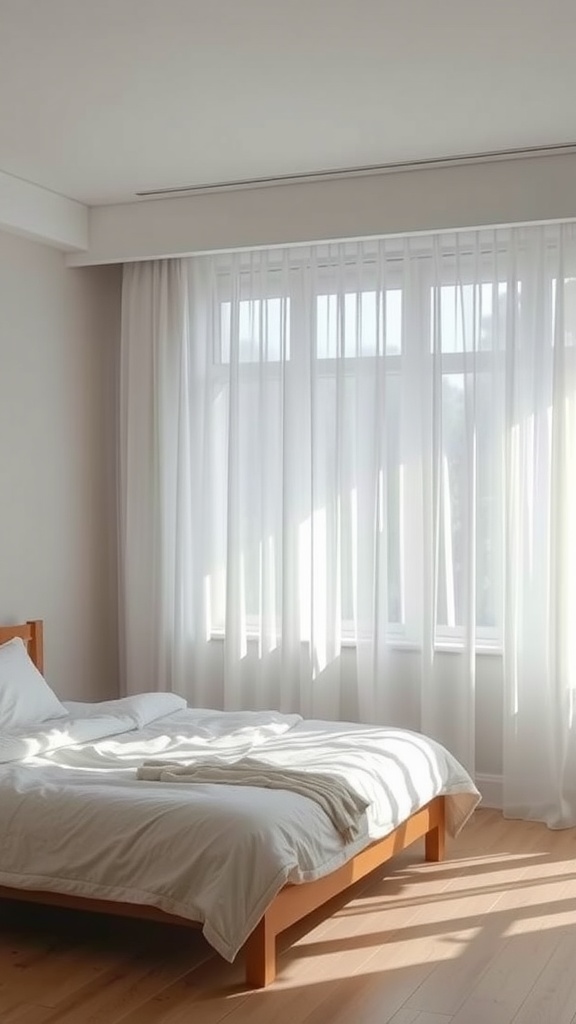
pixel 507 981
pixel 205 994
pixel 111 996
pixel 415 1017
pixel 58 974
pixel 552 998
pixel 515 881
pixel 26 1014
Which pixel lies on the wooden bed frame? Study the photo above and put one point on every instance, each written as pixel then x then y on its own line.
pixel 292 903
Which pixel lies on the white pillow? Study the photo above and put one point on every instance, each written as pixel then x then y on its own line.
pixel 25 697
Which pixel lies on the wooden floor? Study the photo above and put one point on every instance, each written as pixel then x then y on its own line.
pixel 488 937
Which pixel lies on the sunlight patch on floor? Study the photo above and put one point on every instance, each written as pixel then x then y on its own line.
pixel 528 925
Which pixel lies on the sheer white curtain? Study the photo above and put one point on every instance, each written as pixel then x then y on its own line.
pixel 157 585
pixel 347 472
pixel 540 534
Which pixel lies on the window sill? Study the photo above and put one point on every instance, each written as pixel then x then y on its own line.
pixel 395 644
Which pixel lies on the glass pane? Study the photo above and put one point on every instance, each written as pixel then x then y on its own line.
pixel 257 525
pixel 394 503
pixel 569 311
pixel 457 490
pixel 358 513
pixel 261 330
pixel 452 496
pixel 359 324
pixel 467 318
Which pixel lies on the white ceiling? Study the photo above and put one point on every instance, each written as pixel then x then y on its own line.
pixel 100 99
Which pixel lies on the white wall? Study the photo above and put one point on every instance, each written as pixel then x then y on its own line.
pixel 59 332
pixel 42 215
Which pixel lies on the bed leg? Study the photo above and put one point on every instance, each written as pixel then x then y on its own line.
pixel 261 955
pixel 434 844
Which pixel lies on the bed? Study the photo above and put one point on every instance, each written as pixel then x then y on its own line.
pixel 80 830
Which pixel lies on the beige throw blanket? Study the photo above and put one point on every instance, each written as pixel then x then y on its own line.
pixel 343 805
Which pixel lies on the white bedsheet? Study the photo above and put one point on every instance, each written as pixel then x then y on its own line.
pixel 74 819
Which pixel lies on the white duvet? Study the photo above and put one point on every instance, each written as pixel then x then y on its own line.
pixel 74 818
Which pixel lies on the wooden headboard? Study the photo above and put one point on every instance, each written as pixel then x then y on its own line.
pixel 32 633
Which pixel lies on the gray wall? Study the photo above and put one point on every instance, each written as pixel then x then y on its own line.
pixel 59 331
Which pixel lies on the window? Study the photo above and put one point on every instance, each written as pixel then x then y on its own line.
pixel 358 430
